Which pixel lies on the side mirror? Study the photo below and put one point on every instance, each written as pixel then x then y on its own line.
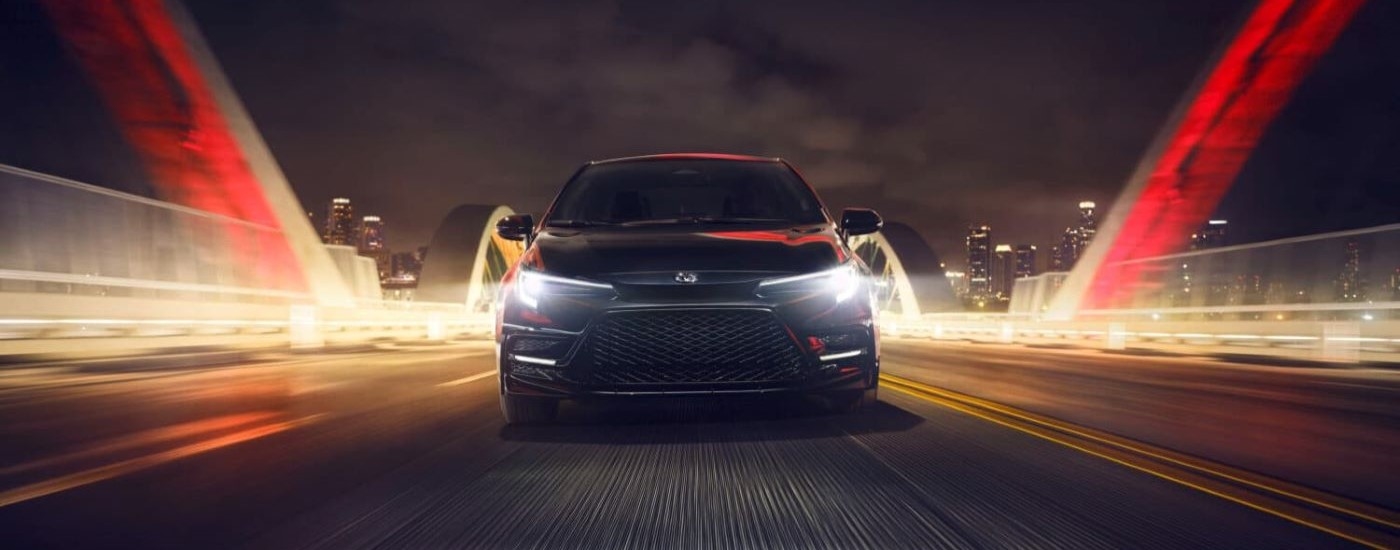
pixel 860 221
pixel 516 227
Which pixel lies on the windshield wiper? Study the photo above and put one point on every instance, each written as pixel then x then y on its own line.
pixel 743 220
pixel 578 223
pixel 704 219
pixel 663 221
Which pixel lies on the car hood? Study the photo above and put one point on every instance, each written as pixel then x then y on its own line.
pixel 613 254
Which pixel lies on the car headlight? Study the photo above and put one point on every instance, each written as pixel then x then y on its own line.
pixel 842 282
pixel 531 286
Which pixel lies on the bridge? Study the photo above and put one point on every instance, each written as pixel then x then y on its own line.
pixel 201 370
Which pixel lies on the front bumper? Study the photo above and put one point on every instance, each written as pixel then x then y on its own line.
pixel 692 349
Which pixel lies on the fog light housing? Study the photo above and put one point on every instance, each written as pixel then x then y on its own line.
pixel 537 350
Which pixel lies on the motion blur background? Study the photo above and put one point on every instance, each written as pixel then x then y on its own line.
pixel 1139 280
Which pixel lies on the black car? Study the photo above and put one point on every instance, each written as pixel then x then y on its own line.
pixel 685 274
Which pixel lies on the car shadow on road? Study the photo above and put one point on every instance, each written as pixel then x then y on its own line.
pixel 649 421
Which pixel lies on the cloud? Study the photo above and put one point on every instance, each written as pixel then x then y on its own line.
pixel 938 112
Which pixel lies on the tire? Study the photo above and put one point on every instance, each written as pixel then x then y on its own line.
pixel 528 410
pixel 852 401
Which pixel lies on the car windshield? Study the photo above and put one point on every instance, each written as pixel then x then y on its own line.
pixel 662 192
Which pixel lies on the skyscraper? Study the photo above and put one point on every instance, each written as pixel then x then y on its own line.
pixel 979 261
pixel 1003 271
pixel 371 237
pixel 1068 251
pixel 370 243
pixel 1351 284
pixel 1088 226
pixel 340 223
pixel 1057 258
pixel 1025 261
pixel 1075 239
pixel 1212 235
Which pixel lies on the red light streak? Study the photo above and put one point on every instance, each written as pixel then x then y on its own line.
pixel 154 89
pixel 1248 87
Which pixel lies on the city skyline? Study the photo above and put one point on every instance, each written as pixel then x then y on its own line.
pixel 1361 273
pixel 994 265
pixel 369 236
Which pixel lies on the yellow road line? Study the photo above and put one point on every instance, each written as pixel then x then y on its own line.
pixel 102 473
pixel 1316 498
pixel 1130 454
pixel 469 379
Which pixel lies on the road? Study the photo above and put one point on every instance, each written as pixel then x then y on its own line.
pixel 404 447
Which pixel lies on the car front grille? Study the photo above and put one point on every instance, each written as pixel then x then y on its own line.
pixel 693 347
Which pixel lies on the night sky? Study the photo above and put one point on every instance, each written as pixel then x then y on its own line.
pixel 939 114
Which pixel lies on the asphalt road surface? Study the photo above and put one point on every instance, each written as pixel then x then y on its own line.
pixel 405 447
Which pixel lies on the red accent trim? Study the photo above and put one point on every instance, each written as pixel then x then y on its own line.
pixel 781 236
pixel 1248 87
pixel 155 91
pixel 690 156
pixel 536 317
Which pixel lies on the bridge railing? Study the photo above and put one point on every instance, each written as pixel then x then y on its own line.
pixel 1328 332
pixel 62 236
pixel 1330 276
pixel 41 324
pixel 1332 297
pixel 88 270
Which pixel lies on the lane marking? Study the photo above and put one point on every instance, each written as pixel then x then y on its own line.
pixel 1277 487
pixel 469 379
pixel 102 473
pixel 1132 455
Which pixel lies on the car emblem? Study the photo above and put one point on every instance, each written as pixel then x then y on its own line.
pixel 686 277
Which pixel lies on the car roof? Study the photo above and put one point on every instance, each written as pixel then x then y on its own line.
pixel 690 156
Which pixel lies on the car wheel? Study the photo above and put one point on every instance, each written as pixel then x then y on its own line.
pixel 851 401
pixel 528 410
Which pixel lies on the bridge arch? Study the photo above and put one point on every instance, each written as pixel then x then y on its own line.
pixel 909 276
pixel 466 259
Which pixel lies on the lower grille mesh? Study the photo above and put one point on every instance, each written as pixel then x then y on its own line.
pixel 693 346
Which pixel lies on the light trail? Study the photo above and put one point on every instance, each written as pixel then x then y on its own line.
pixel 103 473
pixel 148 437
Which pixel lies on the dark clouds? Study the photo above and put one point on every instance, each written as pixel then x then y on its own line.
pixel 937 113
